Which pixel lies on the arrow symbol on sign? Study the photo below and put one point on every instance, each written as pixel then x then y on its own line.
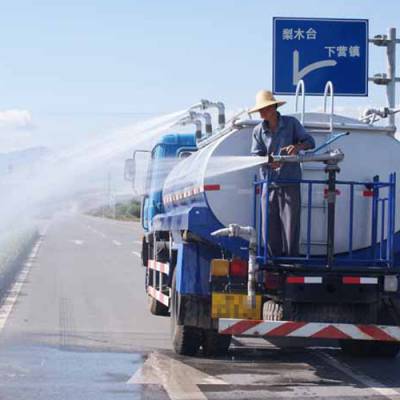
pixel 299 74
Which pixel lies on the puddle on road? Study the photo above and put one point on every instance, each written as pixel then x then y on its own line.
pixel 49 373
pixel 89 373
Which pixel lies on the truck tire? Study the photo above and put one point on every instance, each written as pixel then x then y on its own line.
pixel 186 340
pixel 272 311
pixel 365 348
pixel 157 308
pixel 146 250
pixel 215 344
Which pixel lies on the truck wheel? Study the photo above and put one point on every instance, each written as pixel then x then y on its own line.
pixel 215 344
pixel 272 311
pixel 146 249
pixel 186 340
pixel 362 348
pixel 157 308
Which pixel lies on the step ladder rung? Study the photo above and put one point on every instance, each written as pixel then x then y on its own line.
pixel 314 243
pixel 322 205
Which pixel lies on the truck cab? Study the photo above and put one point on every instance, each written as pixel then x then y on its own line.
pixel 155 164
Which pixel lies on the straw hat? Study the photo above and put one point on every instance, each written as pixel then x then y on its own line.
pixel 265 98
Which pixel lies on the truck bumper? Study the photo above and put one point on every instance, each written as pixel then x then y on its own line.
pixel 312 330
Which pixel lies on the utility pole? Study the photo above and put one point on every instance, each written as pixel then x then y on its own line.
pixel 391 68
pixel 110 195
pixel 389 78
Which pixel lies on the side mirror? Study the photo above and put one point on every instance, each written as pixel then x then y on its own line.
pixel 129 170
pixel 136 170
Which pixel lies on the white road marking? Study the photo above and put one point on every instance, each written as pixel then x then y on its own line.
pixel 371 383
pixel 96 231
pixel 77 242
pixel 180 381
pixel 137 254
pixel 137 242
pixel 117 243
pixel 8 304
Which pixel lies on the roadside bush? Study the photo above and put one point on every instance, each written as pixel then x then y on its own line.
pixel 15 245
pixel 126 211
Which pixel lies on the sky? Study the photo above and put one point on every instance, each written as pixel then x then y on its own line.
pixel 72 71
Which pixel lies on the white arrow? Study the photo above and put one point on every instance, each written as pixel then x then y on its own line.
pixel 180 381
pixel 297 75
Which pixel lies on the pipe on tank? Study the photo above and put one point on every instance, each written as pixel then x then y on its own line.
pixel 205 104
pixel 198 133
pixel 335 155
pixel 370 114
pixel 192 119
pixel 195 116
pixel 247 233
pixel 207 122
pixel 221 111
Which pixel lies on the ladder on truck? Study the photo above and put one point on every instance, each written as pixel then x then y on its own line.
pixel 323 132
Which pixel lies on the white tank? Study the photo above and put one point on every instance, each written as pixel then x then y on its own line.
pixel 368 150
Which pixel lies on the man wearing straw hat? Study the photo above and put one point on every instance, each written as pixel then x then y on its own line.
pixel 280 134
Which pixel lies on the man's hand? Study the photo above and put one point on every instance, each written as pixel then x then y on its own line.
pixel 290 150
pixel 294 149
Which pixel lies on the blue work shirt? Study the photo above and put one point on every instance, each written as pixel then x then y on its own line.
pixel 265 142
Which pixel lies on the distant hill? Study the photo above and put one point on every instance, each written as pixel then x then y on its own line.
pixel 16 160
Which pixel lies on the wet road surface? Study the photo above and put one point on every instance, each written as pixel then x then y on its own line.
pixel 76 326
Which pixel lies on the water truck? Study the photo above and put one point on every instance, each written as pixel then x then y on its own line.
pixel 207 267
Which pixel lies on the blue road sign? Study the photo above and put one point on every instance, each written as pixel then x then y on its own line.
pixel 320 50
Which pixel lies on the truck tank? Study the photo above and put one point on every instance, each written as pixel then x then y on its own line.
pixel 369 151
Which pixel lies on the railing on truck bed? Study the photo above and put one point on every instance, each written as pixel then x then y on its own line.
pixel 380 253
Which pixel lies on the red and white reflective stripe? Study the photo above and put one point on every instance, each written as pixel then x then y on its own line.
pixel 161 297
pixel 190 192
pixel 211 188
pixel 359 280
pixel 319 330
pixel 368 193
pixel 304 279
pixel 158 266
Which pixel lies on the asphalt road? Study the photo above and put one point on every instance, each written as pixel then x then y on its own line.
pixel 76 326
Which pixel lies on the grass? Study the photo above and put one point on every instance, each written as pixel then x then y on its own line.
pixel 126 211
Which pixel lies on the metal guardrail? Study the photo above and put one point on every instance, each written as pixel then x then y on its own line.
pixel 382 210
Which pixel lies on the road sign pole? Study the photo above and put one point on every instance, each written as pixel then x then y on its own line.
pixel 391 73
